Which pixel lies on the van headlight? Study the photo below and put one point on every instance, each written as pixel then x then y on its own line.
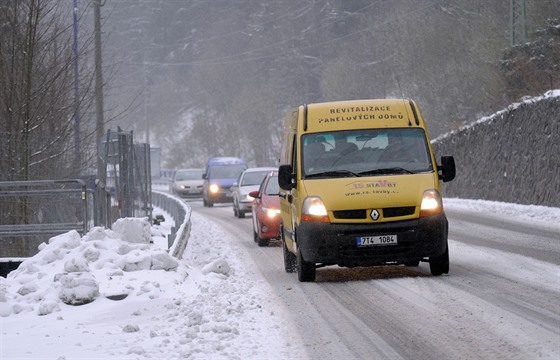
pixel 213 188
pixel 431 204
pixel 314 210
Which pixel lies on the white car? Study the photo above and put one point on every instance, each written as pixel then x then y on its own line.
pixel 187 183
pixel 249 180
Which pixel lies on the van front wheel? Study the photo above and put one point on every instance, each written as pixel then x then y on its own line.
pixel 305 270
pixel 440 264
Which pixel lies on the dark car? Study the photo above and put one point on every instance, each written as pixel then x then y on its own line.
pixel 266 210
pixel 219 175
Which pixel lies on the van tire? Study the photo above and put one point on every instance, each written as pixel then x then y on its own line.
pixel 289 258
pixel 306 271
pixel 440 264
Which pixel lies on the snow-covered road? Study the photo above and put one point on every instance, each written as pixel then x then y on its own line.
pixel 230 299
pixel 501 299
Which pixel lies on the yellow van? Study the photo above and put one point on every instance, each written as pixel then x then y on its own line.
pixel 360 187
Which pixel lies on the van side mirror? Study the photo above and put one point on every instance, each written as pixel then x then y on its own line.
pixel 285 177
pixel 205 176
pixel 447 168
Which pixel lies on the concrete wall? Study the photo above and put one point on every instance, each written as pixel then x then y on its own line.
pixel 513 156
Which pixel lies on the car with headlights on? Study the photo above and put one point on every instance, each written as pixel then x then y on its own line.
pixel 249 180
pixel 362 192
pixel 219 175
pixel 266 210
pixel 187 183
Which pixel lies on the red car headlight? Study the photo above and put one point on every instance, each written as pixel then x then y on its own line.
pixel 271 213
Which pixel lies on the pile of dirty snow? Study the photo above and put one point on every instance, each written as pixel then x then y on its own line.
pixel 75 270
pixel 210 304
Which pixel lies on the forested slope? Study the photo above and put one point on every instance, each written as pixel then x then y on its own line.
pixel 215 77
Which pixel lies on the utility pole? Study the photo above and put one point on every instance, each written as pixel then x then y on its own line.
pixel 98 85
pixel 518 22
pixel 77 144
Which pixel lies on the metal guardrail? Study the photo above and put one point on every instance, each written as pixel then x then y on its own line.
pixel 181 214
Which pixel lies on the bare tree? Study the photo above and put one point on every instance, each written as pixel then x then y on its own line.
pixel 37 103
pixel 37 84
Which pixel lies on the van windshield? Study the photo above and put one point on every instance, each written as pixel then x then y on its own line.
pixel 365 152
pixel 231 171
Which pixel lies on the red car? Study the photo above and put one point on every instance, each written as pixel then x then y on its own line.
pixel 266 210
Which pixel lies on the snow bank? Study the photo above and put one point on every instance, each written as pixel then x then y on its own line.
pixel 134 230
pixel 544 216
pixel 76 270
pixel 216 307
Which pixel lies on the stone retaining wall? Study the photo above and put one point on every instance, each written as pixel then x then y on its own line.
pixel 513 156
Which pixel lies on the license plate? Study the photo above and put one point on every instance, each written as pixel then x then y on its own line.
pixel 376 240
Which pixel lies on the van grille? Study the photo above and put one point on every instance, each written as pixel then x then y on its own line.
pixel 362 213
pixel 398 211
pixel 350 214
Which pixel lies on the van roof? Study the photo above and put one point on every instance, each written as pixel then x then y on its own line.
pixel 356 114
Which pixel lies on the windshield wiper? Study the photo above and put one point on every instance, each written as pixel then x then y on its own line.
pixel 334 173
pixel 385 171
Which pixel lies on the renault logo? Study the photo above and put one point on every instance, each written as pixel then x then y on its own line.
pixel 374 214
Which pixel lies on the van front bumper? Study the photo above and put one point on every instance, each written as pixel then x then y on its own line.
pixel 331 244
